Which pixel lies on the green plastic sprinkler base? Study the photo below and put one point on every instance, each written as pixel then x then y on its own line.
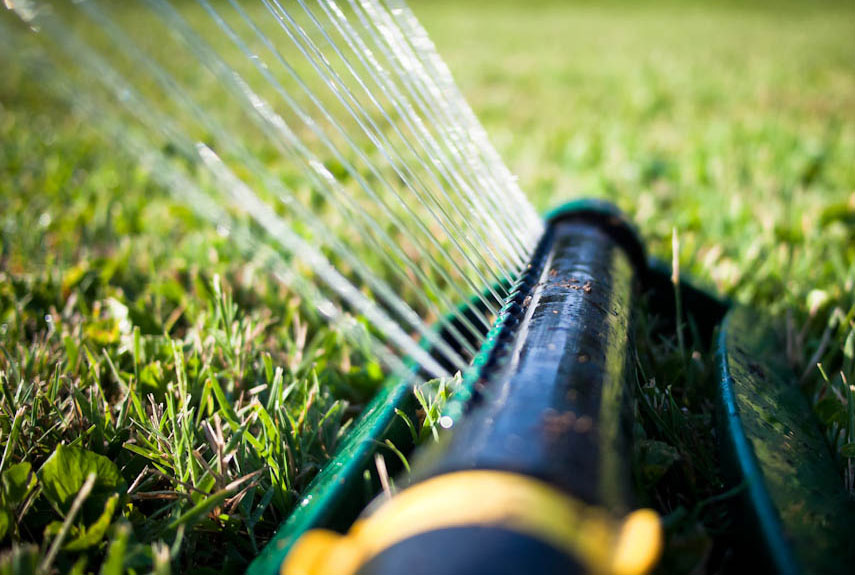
pixel 793 514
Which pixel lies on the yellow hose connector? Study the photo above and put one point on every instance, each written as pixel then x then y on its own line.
pixel 592 536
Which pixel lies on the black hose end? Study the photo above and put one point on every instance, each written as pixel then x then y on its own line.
pixel 608 217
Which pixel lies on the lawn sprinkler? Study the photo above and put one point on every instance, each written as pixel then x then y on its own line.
pixel 533 474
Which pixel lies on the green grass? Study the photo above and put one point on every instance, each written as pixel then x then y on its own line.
pixel 114 300
pixel 733 125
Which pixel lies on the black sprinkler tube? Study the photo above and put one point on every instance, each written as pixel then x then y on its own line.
pixel 536 476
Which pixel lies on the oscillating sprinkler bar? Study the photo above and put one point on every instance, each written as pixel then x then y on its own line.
pixel 536 475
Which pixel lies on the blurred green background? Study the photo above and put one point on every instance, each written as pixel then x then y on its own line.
pixel 733 122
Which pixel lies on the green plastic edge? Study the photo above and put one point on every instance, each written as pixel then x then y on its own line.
pixel 769 523
pixel 583 205
pixel 348 464
pixel 333 483
pixel 456 405
pixel 794 506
